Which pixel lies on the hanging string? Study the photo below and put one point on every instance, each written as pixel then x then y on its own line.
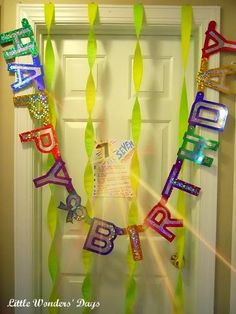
pixel 89 139
pixel 52 212
pixel 186 28
pixel 138 12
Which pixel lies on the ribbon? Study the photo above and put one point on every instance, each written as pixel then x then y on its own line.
pixel 52 213
pixel 89 140
pixel 186 28
pixel 138 12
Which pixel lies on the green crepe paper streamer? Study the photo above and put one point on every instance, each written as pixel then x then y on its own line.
pixel 49 63
pixel 89 138
pixel 137 68
pixel 49 14
pixel 179 295
pixel 90 93
pixel 183 112
pixel 88 178
pixel 130 295
pixel 138 18
pixel 92 12
pixel 133 213
pixel 186 29
pixel 136 121
pixel 131 288
pixel 49 66
pixel 91 49
pixel 135 172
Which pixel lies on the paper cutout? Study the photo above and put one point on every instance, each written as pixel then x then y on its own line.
pixel 26 74
pixel 173 182
pixel 220 43
pixel 199 144
pixel 111 169
pixel 52 176
pixel 73 205
pixel 14 37
pixel 204 79
pixel 136 248
pixel 45 139
pixel 37 104
pixel 100 237
pixel 202 110
pixel 159 219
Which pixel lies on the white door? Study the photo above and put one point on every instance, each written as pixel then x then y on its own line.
pixel 159 99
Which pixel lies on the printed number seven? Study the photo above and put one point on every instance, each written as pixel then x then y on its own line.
pixel 106 148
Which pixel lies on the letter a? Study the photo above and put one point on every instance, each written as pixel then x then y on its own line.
pixel 26 74
pixel 100 237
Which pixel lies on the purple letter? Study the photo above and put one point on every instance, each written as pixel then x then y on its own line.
pixel 100 237
pixel 52 176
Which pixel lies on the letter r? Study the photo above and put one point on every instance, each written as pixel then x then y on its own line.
pixel 159 219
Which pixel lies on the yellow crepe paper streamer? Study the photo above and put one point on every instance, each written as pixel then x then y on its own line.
pixel 131 288
pixel 186 28
pixel 89 140
pixel 52 213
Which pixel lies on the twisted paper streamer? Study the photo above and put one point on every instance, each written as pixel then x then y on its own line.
pixel 52 213
pixel 138 12
pixel 89 140
pixel 186 27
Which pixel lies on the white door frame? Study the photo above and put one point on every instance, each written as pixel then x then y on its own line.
pixel 110 15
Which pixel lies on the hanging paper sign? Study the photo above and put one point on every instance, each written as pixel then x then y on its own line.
pixel 219 42
pixel 159 219
pixel 73 205
pixel 173 182
pixel 133 232
pixel 101 236
pixel 15 38
pixel 26 74
pixel 199 144
pixel 205 78
pixel 53 176
pixel 45 139
pixel 37 104
pixel 111 169
pixel 208 114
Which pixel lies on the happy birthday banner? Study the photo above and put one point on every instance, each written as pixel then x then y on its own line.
pixel 204 113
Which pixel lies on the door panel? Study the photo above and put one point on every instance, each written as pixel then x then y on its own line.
pixel 159 100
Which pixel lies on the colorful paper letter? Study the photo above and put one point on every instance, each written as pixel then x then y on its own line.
pixel 208 114
pixel 159 219
pixel 204 78
pixel 136 248
pixel 173 182
pixel 14 37
pixel 199 144
pixel 74 208
pixel 220 43
pixel 45 139
pixel 26 74
pixel 52 176
pixel 100 237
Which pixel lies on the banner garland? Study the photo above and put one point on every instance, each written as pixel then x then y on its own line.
pixel 102 234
